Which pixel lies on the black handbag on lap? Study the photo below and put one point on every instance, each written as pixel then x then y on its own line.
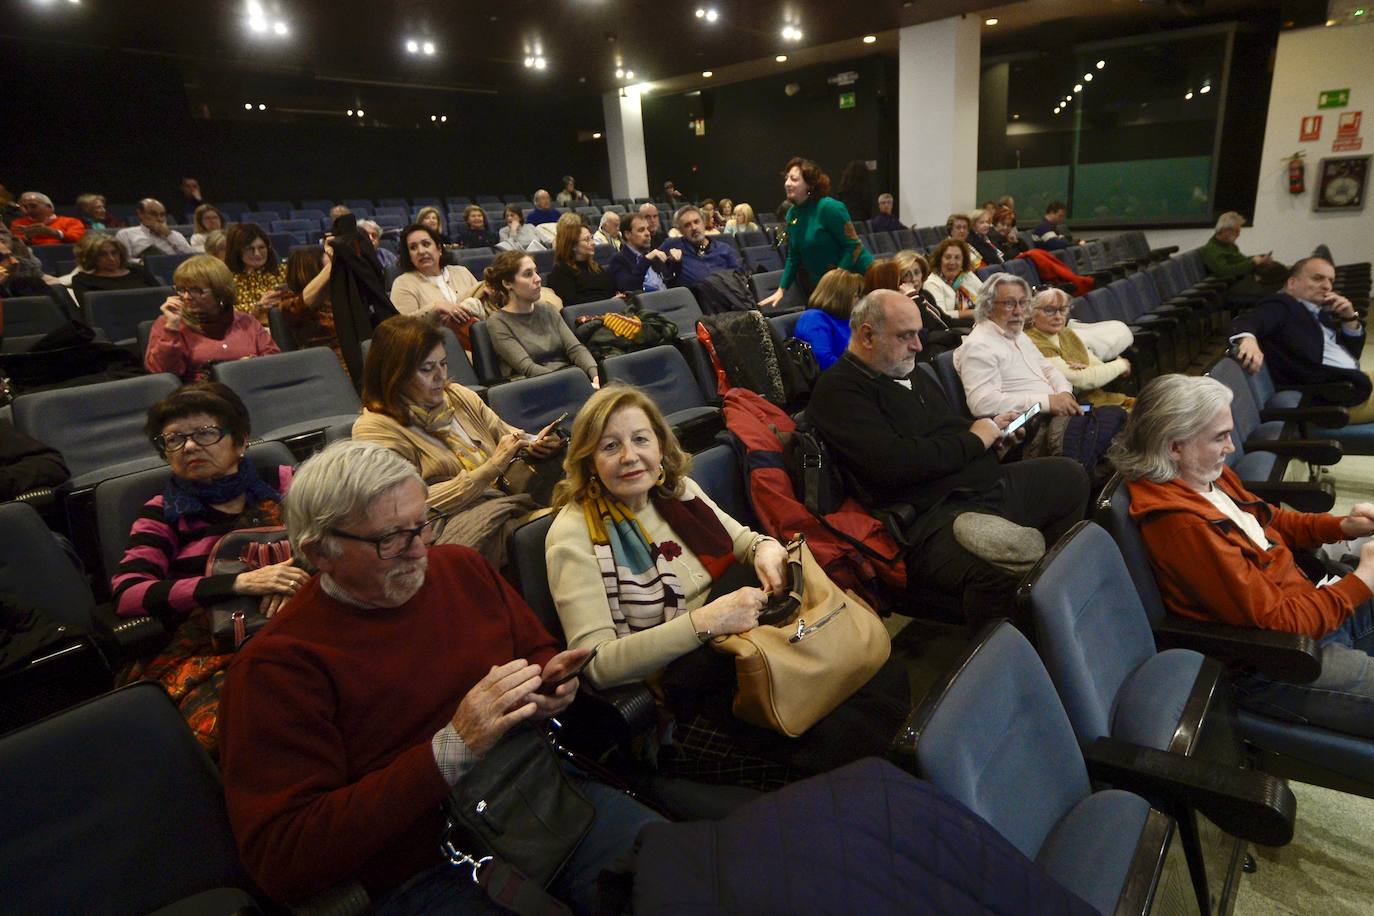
pixel 234 620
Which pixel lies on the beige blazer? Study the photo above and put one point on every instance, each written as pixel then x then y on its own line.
pixel 414 294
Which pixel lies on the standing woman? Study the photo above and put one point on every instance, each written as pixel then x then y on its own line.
pixel 820 235
pixel 259 276
pixel 952 283
pixel 529 336
pixel 576 277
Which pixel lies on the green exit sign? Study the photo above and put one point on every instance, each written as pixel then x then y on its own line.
pixel 846 100
pixel 1333 98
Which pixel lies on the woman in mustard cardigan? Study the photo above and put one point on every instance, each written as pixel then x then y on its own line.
pixel 472 461
pixel 820 235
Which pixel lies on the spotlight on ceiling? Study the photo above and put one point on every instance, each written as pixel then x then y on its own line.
pixel 1101 64
pixel 707 74
pixel 261 107
pixel 1087 77
pixel 596 135
pixel 619 72
pixel 361 112
pixel 412 46
pixel 248 106
pixel 540 63
pixel 781 58
pixel 428 48
pixel 1206 89
pixel 869 39
pixel 1188 96
pixel 629 74
pixel 1077 87
pixel 279 28
pixel 443 119
pixel 992 21
pixel 791 33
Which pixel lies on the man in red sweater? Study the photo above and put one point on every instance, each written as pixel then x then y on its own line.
pixel 41 226
pixel 1221 553
pixel 349 718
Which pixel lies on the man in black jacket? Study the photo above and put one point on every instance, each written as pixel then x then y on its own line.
pixel 1308 335
pixel 898 436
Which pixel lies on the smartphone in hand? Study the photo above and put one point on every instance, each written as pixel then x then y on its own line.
pixel 557 678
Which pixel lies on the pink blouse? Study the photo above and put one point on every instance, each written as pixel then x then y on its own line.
pixel 189 355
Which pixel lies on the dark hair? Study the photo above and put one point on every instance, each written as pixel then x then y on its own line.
pixel 938 253
pixel 1296 270
pixel 240 236
pixel 302 266
pixel 404 264
pixel 629 225
pixel 811 173
pixel 518 210
pixel 213 398
pixel 1054 206
pixel 399 345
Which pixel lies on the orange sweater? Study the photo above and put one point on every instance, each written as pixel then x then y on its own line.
pixel 72 229
pixel 1208 569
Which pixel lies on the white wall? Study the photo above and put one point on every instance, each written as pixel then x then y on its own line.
pixel 937 133
pixel 1307 62
pixel 625 143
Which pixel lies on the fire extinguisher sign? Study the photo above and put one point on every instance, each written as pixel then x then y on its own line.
pixel 1311 129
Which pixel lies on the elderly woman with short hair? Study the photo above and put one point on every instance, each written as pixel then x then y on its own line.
pixel 199 325
pixel 94 214
pixel 1050 332
pixel 102 264
pixel 473 233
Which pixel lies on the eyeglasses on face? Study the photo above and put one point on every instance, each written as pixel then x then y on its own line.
pixel 391 545
pixel 1056 310
pixel 204 436
pixel 1011 304
pixel 192 292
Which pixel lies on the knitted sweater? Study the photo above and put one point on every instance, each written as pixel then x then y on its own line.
pixel 536 343
pixel 821 237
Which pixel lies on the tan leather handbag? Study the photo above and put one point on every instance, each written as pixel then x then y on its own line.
pixel 812 649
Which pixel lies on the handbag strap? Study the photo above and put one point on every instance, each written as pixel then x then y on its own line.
pixel 502 882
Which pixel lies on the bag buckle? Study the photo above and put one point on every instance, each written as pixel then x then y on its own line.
pixel 811 462
pixel 456 857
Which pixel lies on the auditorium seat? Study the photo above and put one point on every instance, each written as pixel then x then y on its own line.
pixel 600 307
pixel 163 266
pixel 117 312
pixel 785 325
pixel 543 260
pixel 1300 405
pixel 393 203
pixel 52 255
pixel 484 359
pixel 763 257
pixel 145 334
pixel 296 225
pixel 764 284
pixel 457 203
pixel 678 305
pixel 882 243
pixel 280 206
pixel 282 242
pixel 233 210
pixel 263 218
pixel 487 199
pixel 292 396
pixel 950 383
pixel 662 373
pixel 358 205
pixel 603 254
pixel 532 403
pixel 475 260
pixel 319 205
pixel 905 239
pixel 26 315
pixel 281 331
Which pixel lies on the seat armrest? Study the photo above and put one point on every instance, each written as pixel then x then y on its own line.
pixel 630 707
pixel 1318 496
pixel 1327 416
pixel 1313 451
pixel 133 637
pixel 1247 804
pixel 1160 254
pixel 1335 392
pixel 1287 657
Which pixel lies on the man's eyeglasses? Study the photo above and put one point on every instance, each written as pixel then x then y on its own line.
pixel 192 292
pixel 390 546
pixel 175 442
pixel 1011 304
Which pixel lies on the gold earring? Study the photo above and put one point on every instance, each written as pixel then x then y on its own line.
pixel 662 475
pixel 594 489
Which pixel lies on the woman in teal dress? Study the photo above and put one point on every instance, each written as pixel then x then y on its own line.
pixel 820 235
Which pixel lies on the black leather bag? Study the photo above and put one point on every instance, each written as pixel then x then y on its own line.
pixel 234 620
pixel 518 807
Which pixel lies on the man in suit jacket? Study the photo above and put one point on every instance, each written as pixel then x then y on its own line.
pixel 1309 335
pixel 631 265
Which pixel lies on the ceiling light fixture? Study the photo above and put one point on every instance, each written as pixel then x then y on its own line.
pixel 350 112
pixel 1087 77
pixel 428 48
pixel 412 46
pixel 781 58
pixel 619 72
pixel 869 39
pixel 1077 87
pixel 629 74
pixel 443 119
pixel 1101 64
pixel 280 29
pixel 248 106
pixel 540 63
pixel 1206 88
pixel 1188 95
pixel 361 112
pixel 261 107
pixel 707 74
pixel 791 33
pixel 990 21
pixel 434 117
pixel 596 135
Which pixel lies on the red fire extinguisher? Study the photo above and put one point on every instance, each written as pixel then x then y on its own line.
pixel 1297 170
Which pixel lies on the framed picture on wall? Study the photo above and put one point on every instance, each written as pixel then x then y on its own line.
pixel 1342 183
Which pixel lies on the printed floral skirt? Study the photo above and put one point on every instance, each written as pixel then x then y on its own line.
pixel 192 673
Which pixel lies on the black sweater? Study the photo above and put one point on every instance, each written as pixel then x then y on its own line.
pixel 574 287
pixel 903 446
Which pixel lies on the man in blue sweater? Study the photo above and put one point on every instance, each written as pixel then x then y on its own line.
pixel 699 254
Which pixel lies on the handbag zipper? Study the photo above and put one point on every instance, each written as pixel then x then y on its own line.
pixel 804 631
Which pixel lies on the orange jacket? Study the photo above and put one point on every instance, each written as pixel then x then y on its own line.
pixel 1208 569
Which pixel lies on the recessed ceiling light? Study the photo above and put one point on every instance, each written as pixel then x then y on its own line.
pixel 412 46
pixel 428 48
pixel 791 33
pixel 350 112
pixel 989 22
pixel 261 107
pixel 701 13
pixel 1087 77
pixel 361 112
pixel 434 117
pixel 596 135
pixel 280 28
pixel 1016 117
pixel 629 74
pixel 619 72
pixel 712 15
pixel 247 106
pixel 869 39
pixel 1101 64
pixel 1206 89
pixel 443 119
pixel 707 73
pixel 781 58
pixel 1077 87
pixel 540 63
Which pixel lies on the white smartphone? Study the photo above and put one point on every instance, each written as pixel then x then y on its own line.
pixel 1020 421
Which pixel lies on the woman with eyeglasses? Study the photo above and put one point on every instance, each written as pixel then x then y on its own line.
pixel 259 275
pixel 199 325
pixel 484 474
pixel 1050 332
pixel 202 431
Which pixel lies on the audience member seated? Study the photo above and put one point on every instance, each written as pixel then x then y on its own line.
pixel 671 193
pixel 187 198
pixel 657 235
pixel 102 265
pixel 202 432
pixel 576 277
pixel 725 210
pixel 350 718
pixel 26 464
pixel 1005 235
pixel 1308 335
pixel 570 196
pixel 981 241
pixel 205 220
pixel 339 210
pixel 152 235
pixel 19 278
pixel 387 258
pixel 820 235
pixel 430 218
pixel 886 220
pixel 957 227
pixel 637 265
pixel 308 311
pixel 41 226
pixel 1066 351
pixel 695 254
pixel 1254 275
pixel 608 230
pixel 633 555
pixel 94 214
pixel 474 232
pixel 516 234
pixel 1221 553
pixel 217 244
pixel 472 461
pixel 952 283
pixel 1051 234
pixel 259 274
pixel 905 272
pixel 199 325
pixel 543 211
pixel 428 285
pixel 968 539
pixel 710 217
pixel 529 336
pixel 825 322
pixel 741 219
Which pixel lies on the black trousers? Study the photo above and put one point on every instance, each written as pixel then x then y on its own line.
pixel 1048 494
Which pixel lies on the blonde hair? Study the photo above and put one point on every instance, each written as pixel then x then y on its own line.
pixel 425 211
pixel 748 220
pixel 578 464
pixel 907 261
pixel 208 271
pixel 836 292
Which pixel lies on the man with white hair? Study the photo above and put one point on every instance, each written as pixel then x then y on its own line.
pixel 608 233
pixel 41 226
pixel 1000 367
pixel 1254 275
pixel 885 221
pixel 385 256
pixel 1221 553
pixel 386 678
pixel 152 235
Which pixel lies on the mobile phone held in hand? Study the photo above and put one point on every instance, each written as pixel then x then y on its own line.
pixel 548 687
pixel 1021 421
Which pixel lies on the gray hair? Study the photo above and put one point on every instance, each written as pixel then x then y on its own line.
pixel 371 225
pixel 869 311
pixel 985 306
pixel 884 197
pixel 337 485
pixel 683 211
pixel 1171 408
pixel 1048 298
pixel 1230 220
pixel 43 198
pixel 605 216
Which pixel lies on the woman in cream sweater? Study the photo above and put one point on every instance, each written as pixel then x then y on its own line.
pixel 1050 332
